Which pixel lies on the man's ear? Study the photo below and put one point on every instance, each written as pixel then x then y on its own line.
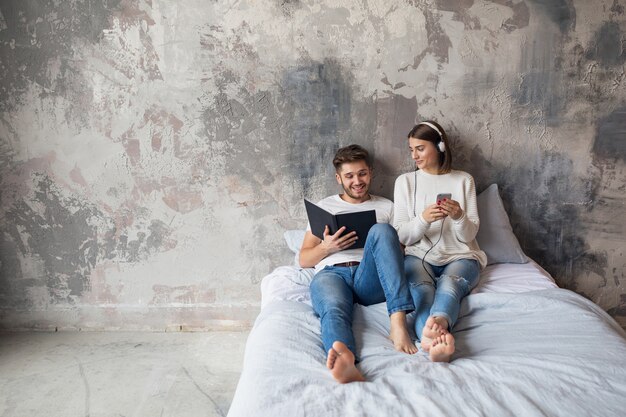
pixel 338 178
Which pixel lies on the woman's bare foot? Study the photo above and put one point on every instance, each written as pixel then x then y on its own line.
pixel 340 361
pixel 399 333
pixel 442 348
pixel 434 327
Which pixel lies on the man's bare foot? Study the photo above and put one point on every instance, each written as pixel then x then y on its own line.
pixel 399 333
pixel 434 327
pixel 340 361
pixel 442 348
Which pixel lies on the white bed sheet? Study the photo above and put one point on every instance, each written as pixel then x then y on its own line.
pixel 289 283
pixel 524 347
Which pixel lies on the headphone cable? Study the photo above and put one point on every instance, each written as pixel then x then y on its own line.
pixel 431 248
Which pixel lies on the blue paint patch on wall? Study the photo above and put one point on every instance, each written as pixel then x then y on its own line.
pixel 561 12
pixel 318 99
pixel 607 46
pixel 538 195
pixel 610 141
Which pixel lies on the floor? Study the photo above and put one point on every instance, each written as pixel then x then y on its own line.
pixel 119 374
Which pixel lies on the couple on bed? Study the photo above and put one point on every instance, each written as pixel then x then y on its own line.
pixel 442 260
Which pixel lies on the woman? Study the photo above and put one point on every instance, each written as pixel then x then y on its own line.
pixel 436 218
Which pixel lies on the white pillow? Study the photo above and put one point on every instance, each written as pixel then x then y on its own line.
pixel 495 235
pixel 294 239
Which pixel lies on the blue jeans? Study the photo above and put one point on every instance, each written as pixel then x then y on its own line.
pixel 441 296
pixel 379 277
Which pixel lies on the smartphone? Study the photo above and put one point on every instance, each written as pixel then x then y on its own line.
pixel 441 196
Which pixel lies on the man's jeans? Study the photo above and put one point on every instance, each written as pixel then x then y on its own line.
pixel 441 296
pixel 379 277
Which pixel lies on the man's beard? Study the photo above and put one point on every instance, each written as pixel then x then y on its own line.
pixel 348 191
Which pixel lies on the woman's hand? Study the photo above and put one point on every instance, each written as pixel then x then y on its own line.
pixel 451 208
pixel 433 213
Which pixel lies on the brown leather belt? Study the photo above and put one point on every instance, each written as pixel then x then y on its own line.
pixel 351 263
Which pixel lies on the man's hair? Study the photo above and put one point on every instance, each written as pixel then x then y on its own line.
pixel 351 153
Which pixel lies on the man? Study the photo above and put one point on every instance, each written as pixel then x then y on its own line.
pixel 367 276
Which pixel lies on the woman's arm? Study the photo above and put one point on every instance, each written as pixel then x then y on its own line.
pixel 409 230
pixel 466 227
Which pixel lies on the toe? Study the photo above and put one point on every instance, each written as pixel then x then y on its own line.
pixel 340 348
pixel 332 357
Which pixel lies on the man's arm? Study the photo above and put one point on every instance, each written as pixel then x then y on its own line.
pixel 314 249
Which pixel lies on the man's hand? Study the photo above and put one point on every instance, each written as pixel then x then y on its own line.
pixel 335 243
pixel 314 249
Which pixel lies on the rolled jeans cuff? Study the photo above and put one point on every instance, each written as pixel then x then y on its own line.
pixel 405 307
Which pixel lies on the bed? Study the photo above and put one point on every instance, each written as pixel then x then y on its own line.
pixel 523 347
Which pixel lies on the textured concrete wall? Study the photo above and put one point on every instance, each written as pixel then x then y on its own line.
pixel 153 152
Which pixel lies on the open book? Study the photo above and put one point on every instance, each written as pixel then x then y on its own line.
pixel 359 221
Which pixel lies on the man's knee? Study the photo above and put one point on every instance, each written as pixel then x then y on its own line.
pixel 322 280
pixel 383 231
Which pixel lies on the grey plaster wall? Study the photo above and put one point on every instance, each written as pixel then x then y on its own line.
pixel 153 152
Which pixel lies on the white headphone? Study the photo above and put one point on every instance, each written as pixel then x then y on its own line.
pixel 441 146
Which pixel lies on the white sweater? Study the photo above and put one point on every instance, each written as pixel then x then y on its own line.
pixel 458 239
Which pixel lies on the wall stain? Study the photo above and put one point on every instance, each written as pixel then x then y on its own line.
pixel 540 85
pixel 439 44
pixel 36 34
pixel 536 195
pixel 616 8
pixel 519 20
pixel 607 46
pixel 561 12
pixel 318 99
pixel 289 7
pixel 610 141
pixel 61 235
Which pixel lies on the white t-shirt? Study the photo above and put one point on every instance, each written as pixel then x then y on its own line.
pixel 415 191
pixel 335 205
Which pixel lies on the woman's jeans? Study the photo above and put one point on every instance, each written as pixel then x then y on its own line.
pixel 379 277
pixel 442 295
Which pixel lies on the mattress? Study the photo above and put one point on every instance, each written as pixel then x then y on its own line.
pixel 523 347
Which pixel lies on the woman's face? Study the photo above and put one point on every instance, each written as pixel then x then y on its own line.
pixel 425 155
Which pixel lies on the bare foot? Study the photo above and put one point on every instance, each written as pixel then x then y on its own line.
pixel 434 327
pixel 340 361
pixel 442 348
pixel 399 334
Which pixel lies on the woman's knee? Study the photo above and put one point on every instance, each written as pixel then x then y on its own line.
pixel 416 273
pixel 466 271
pixel 455 285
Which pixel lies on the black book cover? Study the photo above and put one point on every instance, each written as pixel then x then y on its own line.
pixel 359 221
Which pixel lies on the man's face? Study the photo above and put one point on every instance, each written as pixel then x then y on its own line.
pixel 355 179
